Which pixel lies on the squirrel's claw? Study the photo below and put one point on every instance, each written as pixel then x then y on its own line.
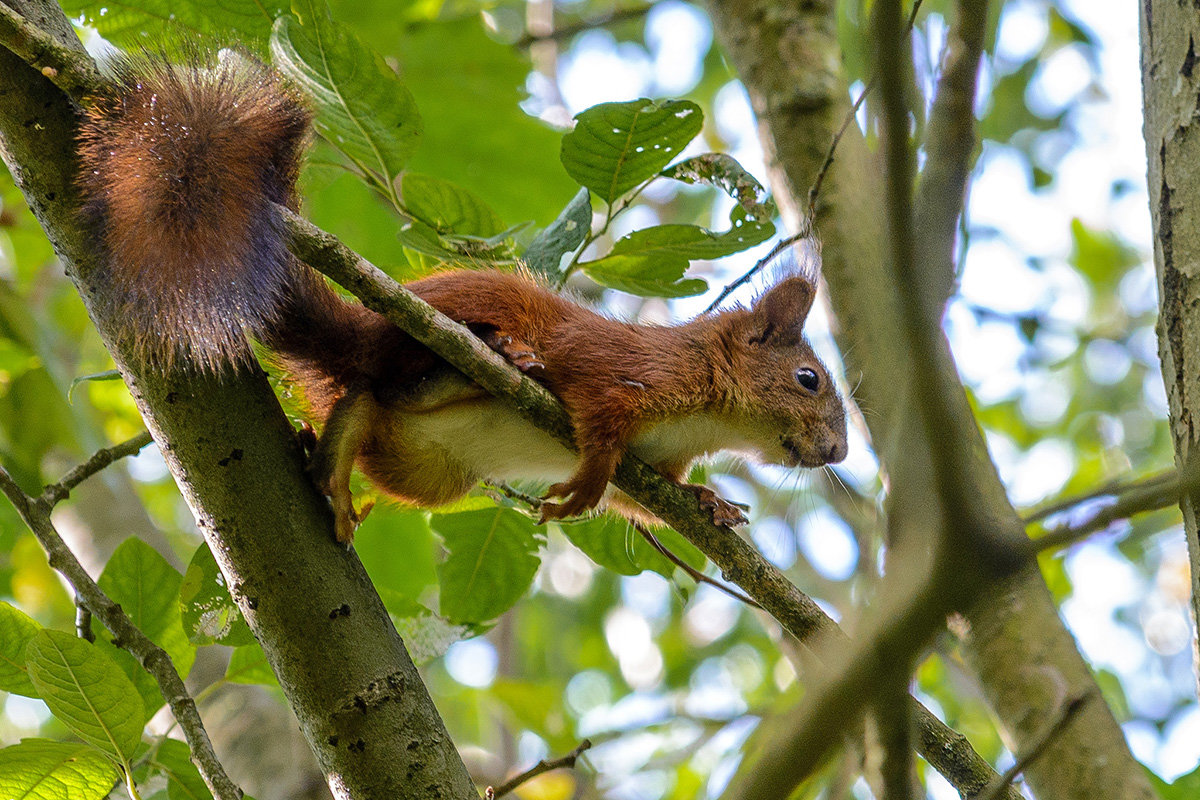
pixel 579 496
pixel 519 354
pixel 724 513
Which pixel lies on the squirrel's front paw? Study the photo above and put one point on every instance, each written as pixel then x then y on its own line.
pixel 723 512
pixel 579 496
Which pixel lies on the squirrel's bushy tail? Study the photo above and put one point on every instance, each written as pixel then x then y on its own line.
pixel 181 169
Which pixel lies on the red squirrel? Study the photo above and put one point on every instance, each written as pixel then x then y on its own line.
pixel 181 169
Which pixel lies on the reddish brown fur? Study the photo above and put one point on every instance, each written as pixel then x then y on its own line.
pixel 183 167
pixel 180 168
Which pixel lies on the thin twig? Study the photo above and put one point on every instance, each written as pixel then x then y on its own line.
pixel 533 502
pixel 693 573
pixel 36 515
pixel 539 768
pixel 567 31
pixel 815 189
pixel 1037 747
pixel 808 222
pixel 779 247
pixel 1114 488
pixel 55 493
pixel 1149 495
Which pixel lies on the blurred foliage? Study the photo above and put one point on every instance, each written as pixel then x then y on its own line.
pixel 584 629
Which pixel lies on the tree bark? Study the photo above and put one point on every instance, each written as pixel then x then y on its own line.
pixel 358 697
pixel 1171 98
pixel 787 55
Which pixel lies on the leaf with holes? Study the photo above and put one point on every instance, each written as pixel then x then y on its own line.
pixel 362 107
pixel 16 630
pixel 87 692
pixel 209 614
pixel 652 261
pixel 725 173
pixel 616 146
pixel 493 556
pixel 39 769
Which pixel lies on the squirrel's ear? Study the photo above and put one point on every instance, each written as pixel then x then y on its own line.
pixel 780 313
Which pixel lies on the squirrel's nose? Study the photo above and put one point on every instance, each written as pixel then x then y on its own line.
pixel 837 451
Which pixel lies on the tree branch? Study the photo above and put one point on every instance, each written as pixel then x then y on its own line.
pixel 57 492
pixel 36 515
pixel 1114 488
pixel 567 31
pixel 1156 492
pixel 69 69
pixel 1037 746
pixel 539 768
pixel 738 561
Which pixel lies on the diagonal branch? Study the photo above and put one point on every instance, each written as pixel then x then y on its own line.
pixel 36 515
pixel 738 561
pixel 539 768
pixel 1037 746
pixel 57 492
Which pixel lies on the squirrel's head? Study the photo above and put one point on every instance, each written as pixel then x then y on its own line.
pixel 785 394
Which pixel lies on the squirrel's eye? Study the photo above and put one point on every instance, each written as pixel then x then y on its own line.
pixel 808 379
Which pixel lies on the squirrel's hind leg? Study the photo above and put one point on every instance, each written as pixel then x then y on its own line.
pixel 346 430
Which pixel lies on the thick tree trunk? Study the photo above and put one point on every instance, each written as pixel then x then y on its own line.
pixel 788 57
pixel 1171 98
pixel 357 695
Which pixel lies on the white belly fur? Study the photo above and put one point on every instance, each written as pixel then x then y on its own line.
pixel 492 440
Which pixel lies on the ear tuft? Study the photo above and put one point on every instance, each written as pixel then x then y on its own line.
pixel 780 313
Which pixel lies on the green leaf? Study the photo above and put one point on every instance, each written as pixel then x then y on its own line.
pixel 87 691
pixel 493 556
pixel 147 587
pixel 248 664
pixel 428 636
pixel 562 236
pixel 609 541
pixel 479 137
pixel 173 760
pixel 107 375
pixel 132 23
pixel 644 275
pixel 448 208
pixel 143 682
pixel 725 173
pixel 39 769
pixel 209 614
pixel 616 146
pixel 652 261
pixel 363 109
pixel 397 548
pixel 16 629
